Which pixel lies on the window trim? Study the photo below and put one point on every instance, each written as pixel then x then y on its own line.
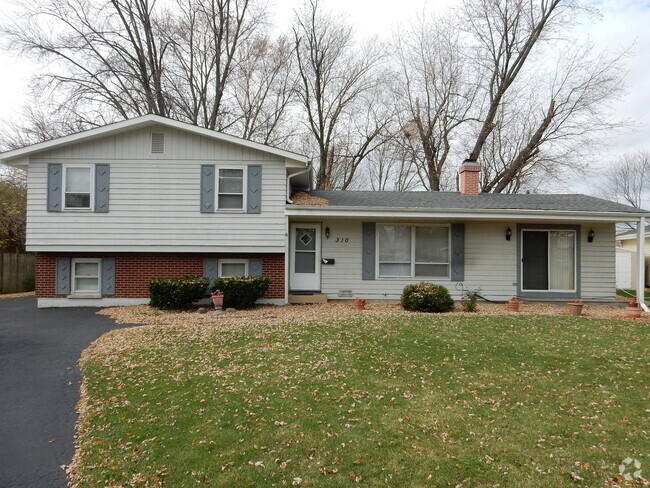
pixel 244 192
pixel 232 261
pixel 73 280
pixel 64 185
pixel 548 264
pixel 412 261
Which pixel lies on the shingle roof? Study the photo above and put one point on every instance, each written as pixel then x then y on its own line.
pixel 489 201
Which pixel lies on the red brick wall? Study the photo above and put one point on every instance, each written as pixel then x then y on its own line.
pixel 134 270
pixel 469 178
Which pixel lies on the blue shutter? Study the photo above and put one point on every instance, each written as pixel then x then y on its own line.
pixel 207 188
pixel 254 267
pixel 102 182
pixel 63 274
pixel 457 252
pixel 54 187
pixel 254 190
pixel 210 270
pixel 108 276
pixel 368 239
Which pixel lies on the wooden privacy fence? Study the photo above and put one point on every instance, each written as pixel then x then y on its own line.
pixel 16 272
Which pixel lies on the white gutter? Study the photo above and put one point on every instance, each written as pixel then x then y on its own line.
pixel 292 176
pixel 472 214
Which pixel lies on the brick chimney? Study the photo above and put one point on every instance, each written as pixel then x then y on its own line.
pixel 468 173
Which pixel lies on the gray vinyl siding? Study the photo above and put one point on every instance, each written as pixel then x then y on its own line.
pixel 599 262
pixel 490 263
pixel 155 198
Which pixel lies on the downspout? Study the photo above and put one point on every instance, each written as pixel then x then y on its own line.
pixel 640 253
pixel 294 175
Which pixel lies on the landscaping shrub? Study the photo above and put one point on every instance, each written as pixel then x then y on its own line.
pixel 427 297
pixel 469 300
pixel 177 293
pixel 242 292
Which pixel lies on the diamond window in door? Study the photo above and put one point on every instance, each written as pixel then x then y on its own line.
pixel 305 253
pixel 305 239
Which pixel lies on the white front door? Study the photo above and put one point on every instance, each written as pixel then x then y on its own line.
pixel 304 274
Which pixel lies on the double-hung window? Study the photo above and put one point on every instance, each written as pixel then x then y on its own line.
pixel 230 189
pixel 233 268
pixel 413 251
pixel 77 187
pixel 86 276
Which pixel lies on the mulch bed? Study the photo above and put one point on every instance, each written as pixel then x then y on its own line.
pixel 272 314
pixel 6 296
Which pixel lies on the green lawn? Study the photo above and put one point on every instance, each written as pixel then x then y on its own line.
pixel 404 401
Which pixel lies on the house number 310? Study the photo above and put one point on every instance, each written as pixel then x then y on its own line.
pixel 342 239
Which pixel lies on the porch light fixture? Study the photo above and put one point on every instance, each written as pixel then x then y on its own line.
pixel 590 236
pixel 508 233
pixel 327 232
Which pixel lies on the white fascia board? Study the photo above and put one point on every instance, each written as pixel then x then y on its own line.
pixel 465 214
pixel 146 120
pixel 148 249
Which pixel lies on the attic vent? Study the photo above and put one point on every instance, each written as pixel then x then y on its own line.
pixel 157 143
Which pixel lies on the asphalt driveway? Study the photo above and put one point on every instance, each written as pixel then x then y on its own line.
pixel 39 387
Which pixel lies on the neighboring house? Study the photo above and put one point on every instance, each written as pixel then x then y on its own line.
pixel 626 258
pixel 113 207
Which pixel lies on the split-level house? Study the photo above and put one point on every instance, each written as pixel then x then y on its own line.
pixel 111 208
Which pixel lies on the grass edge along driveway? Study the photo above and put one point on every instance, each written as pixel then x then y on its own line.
pixel 402 400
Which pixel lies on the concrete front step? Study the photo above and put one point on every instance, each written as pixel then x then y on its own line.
pixel 307 299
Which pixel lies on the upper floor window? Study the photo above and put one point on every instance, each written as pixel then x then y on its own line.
pixel 413 251
pixel 78 184
pixel 230 189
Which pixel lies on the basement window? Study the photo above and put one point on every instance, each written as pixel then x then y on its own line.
pixel 233 268
pixel 85 276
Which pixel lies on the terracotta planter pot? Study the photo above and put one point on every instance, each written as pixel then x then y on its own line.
pixel 633 312
pixel 359 305
pixel 575 308
pixel 512 306
pixel 217 301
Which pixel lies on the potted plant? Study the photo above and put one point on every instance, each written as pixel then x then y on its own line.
pixel 359 303
pixel 633 311
pixel 217 299
pixel 575 308
pixel 512 305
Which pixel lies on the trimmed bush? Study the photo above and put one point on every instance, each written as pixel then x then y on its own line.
pixel 242 292
pixel 177 293
pixel 427 297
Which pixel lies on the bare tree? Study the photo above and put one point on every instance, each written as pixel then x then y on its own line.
pixel 13 209
pixel 115 59
pixel 506 32
pixel 334 76
pixel 628 179
pixel 541 131
pixel 264 88
pixel 437 94
pixel 391 168
pixel 206 46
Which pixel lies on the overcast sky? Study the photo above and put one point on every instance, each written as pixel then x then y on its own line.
pixel 622 24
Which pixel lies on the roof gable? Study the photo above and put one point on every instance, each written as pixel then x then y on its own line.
pixel 143 122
